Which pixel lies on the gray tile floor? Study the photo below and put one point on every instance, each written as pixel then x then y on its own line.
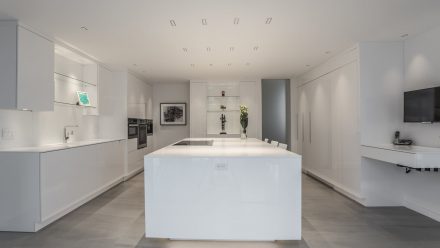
pixel 116 219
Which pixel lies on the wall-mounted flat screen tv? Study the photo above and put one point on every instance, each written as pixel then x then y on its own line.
pixel 422 105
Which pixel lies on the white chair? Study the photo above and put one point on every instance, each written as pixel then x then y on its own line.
pixel 266 140
pixel 274 143
pixel 282 146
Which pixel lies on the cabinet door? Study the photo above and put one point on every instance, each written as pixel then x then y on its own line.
pixel 198 103
pixel 320 127
pixel 35 78
pixel 345 127
pixel 305 125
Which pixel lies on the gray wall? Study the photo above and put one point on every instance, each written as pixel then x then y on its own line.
pixel 276 109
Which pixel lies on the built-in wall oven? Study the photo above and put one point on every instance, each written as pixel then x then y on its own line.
pixel 142 136
pixel 133 128
pixel 149 127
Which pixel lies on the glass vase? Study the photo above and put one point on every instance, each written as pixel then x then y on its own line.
pixel 243 134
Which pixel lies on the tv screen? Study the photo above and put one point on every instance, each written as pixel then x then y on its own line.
pixel 422 105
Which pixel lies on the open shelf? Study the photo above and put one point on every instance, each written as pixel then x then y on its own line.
pixel 75 105
pixel 75 80
pixel 224 111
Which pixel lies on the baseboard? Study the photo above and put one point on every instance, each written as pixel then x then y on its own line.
pixel 77 204
pixel 336 186
pixel 133 173
pixel 422 210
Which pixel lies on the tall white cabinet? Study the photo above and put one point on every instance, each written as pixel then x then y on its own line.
pixel 340 107
pixel 26 69
pixel 328 125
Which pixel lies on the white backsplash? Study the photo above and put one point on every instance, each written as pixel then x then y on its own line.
pixel 42 128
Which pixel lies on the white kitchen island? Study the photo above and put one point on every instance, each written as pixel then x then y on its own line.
pixel 231 190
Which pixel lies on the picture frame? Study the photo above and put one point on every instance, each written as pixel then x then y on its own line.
pixel 173 114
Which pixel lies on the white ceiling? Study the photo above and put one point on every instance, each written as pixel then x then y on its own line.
pixel 302 32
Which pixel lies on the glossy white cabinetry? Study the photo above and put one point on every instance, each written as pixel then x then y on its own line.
pixel 233 190
pixel 26 69
pixel 37 188
pixel 329 126
pixel 139 98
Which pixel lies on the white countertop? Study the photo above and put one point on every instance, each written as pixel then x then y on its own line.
pixel 224 147
pixel 56 147
pixel 407 149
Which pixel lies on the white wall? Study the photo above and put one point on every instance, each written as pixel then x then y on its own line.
pixel 422 70
pixel 169 93
pixel 421 191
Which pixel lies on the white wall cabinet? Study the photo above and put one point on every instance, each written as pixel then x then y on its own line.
pixel 39 188
pixel 26 69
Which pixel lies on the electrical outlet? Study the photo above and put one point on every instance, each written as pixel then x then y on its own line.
pixel 7 134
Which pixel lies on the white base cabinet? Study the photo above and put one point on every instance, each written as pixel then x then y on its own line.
pixel 39 188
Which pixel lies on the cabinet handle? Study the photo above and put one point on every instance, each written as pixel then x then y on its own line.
pixel 297 126
pixel 302 126
pixel 310 127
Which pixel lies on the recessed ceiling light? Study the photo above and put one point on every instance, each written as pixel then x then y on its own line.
pixel 236 20
pixel 185 49
pixel 268 20
pixel 204 21
pixel 404 35
pixel 255 48
pixel 173 23
pixel 208 49
pixel 231 49
pixel 84 28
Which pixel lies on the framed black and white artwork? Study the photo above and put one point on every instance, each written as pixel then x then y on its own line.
pixel 172 114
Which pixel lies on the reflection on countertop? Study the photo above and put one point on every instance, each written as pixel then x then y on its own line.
pixel 59 146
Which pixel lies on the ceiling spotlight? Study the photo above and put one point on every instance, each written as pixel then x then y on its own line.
pixel 404 35
pixel 84 28
pixel 236 20
pixel 173 23
pixel 255 48
pixel 231 49
pixel 208 49
pixel 204 22
pixel 268 20
pixel 185 49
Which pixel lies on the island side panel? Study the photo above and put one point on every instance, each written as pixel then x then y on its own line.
pixel 253 198
pixel 19 191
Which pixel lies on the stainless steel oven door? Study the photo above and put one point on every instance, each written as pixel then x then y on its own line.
pixel 142 136
pixel 133 131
